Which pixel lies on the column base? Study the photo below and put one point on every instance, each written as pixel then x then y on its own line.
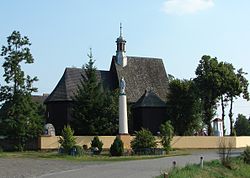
pixel 126 139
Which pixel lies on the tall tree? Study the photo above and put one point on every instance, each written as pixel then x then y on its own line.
pixel 183 107
pixel 227 77
pixel 208 82
pixel 238 85
pixel 94 108
pixel 18 114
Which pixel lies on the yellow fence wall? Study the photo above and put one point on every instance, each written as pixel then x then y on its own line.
pixel 179 142
pixel 51 142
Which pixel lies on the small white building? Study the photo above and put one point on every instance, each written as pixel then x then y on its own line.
pixel 218 127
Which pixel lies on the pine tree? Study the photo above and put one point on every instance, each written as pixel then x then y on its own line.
pixel 67 141
pixel 19 114
pixel 93 108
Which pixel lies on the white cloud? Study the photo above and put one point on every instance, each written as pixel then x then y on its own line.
pixel 181 7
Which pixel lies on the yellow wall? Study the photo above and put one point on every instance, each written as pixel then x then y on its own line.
pixel 242 141
pixel 202 141
pixel 51 142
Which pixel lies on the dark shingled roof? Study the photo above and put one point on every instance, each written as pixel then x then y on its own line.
pixel 140 74
pixel 149 99
pixel 39 98
pixel 67 86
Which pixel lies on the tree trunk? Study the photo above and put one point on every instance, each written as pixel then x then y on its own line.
pixel 208 117
pixel 223 113
pixel 231 116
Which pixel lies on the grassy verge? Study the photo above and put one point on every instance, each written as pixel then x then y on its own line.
pixel 213 169
pixel 103 157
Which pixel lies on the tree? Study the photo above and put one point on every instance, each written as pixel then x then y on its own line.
pixel 183 107
pixel 242 126
pixel 143 139
pixel 95 109
pixel 208 82
pixel 96 143
pixel 18 114
pixel 238 85
pixel 226 73
pixel 166 135
pixel 67 141
pixel 116 148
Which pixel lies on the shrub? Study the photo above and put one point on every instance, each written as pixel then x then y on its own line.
pixel 116 148
pixel 79 150
pixel 144 139
pixel 96 143
pixel 246 155
pixel 67 140
pixel 166 135
pixel 225 151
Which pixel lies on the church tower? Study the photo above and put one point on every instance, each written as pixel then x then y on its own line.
pixel 121 58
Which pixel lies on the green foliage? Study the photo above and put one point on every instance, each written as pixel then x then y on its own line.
pixel 95 110
pixel 242 126
pixel 96 143
pixel 19 115
pixel 143 139
pixel 184 107
pixel 208 82
pixel 116 148
pixel 79 150
pixel 67 139
pixel 166 135
pixel 212 169
pixel 246 155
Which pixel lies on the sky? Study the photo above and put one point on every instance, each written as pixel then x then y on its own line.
pixel 178 31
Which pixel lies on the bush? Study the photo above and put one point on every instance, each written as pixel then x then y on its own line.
pixel 144 139
pixel 67 140
pixel 116 148
pixel 79 150
pixel 225 151
pixel 96 143
pixel 166 135
pixel 246 155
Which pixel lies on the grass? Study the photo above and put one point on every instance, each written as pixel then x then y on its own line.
pixel 213 169
pixel 86 157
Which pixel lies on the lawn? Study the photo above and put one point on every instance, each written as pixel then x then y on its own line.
pixel 212 169
pixel 86 157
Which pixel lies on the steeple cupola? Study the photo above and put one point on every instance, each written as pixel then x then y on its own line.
pixel 121 58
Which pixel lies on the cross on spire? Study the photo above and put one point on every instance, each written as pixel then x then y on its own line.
pixel 120 29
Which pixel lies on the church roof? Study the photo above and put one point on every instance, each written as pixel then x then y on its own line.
pixel 140 74
pixel 149 99
pixel 67 86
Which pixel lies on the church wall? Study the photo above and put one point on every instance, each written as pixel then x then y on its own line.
pixel 58 114
pixel 150 118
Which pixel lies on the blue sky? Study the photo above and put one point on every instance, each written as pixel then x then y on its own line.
pixel 178 31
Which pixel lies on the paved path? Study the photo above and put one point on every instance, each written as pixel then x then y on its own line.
pixel 44 168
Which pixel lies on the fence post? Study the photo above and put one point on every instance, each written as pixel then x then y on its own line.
pixel 174 164
pixel 165 175
pixel 201 161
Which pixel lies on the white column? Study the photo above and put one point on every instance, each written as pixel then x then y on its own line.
pixel 123 118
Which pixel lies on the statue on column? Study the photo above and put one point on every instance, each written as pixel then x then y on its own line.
pixel 122 86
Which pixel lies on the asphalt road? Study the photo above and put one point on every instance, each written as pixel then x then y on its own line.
pixel 133 169
pixel 44 168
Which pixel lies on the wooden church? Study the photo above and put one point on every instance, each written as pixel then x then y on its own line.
pixel 146 88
